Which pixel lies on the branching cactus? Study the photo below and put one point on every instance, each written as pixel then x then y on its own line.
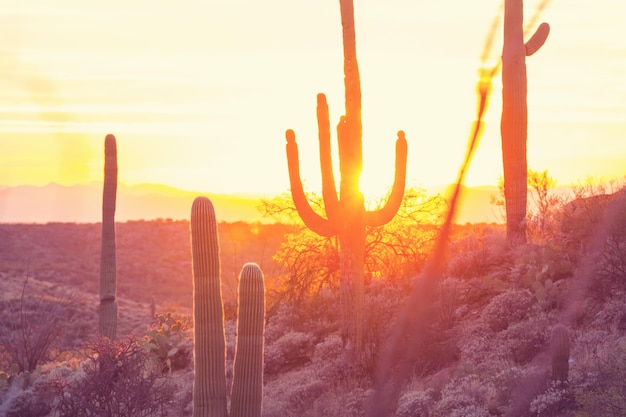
pixel 346 216
pixel 209 391
pixel 108 268
pixel 559 349
pixel 514 120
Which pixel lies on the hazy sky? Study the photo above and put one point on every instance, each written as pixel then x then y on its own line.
pixel 199 93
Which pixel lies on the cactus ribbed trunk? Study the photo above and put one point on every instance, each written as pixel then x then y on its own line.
pixel 559 349
pixel 514 122
pixel 209 388
pixel 345 214
pixel 247 391
pixel 108 267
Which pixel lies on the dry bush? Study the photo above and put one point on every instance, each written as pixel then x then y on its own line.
pixel 507 308
pixel 117 381
pixel 32 325
pixel 478 253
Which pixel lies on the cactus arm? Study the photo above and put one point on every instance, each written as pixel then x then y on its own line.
pixel 329 190
pixel 311 219
pixel 247 391
pixel 538 39
pixel 108 268
pixel 386 213
pixel 209 388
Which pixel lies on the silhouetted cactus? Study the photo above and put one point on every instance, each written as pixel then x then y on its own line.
pixel 209 392
pixel 346 215
pixel 559 350
pixel 514 121
pixel 108 268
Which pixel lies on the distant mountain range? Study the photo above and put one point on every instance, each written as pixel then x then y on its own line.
pixel 82 204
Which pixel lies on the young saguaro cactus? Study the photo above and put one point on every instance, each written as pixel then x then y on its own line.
pixel 108 268
pixel 209 392
pixel 346 216
pixel 559 349
pixel 514 122
pixel 247 391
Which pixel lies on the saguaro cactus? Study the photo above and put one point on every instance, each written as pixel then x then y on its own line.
pixel 108 268
pixel 209 388
pixel 514 120
pixel 209 391
pixel 559 349
pixel 346 215
pixel 247 392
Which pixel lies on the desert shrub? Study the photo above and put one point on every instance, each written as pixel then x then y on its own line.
pixel 507 308
pixel 463 397
pixel 290 350
pixel 415 403
pixel 611 275
pixel 281 318
pixel 327 356
pixel 555 399
pixel 451 301
pixel 525 339
pixel 517 344
pixel 381 306
pixel 599 383
pixel 293 394
pixel 117 381
pixel 31 325
pixel 612 316
pixel 477 253
pixel 506 380
pixel 34 401
pixel 476 338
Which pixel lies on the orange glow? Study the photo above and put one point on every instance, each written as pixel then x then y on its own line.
pixel 201 103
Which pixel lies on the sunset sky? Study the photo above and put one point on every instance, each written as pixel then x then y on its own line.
pixel 200 93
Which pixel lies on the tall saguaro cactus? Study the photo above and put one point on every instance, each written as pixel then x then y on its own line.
pixel 247 391
pixel 108 268
pixel 514 122
pixel 209 390
pixel 345 214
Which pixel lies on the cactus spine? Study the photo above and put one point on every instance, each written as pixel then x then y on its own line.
pixel 514 122
pixel 559 347
pixel 209 392
pixel 346 215
pixel 108 268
